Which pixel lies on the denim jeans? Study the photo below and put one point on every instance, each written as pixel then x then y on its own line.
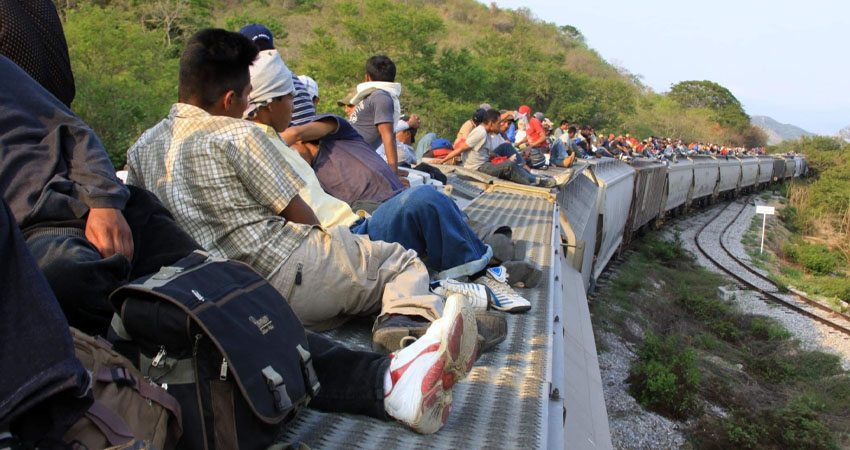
pixel 43 387
pixel 557 153
pixel 509 170
pixel 82 279
pixel 507 150
pixel 429 222
pixel 352 381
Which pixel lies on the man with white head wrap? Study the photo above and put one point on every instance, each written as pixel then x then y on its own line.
pixel 312 88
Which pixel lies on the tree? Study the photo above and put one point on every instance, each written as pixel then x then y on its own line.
pixel 707 94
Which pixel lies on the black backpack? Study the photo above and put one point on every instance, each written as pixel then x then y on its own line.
pixel 536 159
pixel 224 343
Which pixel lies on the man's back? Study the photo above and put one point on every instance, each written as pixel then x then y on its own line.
pixel 375 109
pixel 225 183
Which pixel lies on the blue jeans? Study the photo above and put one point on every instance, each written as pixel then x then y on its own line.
pixel 557 153
pixel 422 219
pixel 507 150
pixel 43 386
pixel 508 170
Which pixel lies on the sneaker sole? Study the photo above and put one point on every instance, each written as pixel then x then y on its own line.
pixel 459 349
pixel 511 309
pixel 388 340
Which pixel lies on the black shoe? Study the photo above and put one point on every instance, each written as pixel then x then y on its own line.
pixel 397 331
pixel 492 329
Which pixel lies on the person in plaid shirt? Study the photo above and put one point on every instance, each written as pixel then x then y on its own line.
pixel 230 188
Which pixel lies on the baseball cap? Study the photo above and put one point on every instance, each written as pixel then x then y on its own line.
pixel 539 116
pixel 524 109
pixel 346 101
pixel 260 34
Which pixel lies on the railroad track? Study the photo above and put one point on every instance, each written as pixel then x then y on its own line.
pixel 808 307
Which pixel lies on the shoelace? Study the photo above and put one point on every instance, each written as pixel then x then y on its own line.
pixel 469 291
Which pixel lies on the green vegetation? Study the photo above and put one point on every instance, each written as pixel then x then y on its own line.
pixel 665 376
pixel 697 353
pixel 451 56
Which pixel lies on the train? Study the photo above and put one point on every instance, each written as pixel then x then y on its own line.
pixel 631 198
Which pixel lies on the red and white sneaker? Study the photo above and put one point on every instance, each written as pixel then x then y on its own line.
pixel 424 372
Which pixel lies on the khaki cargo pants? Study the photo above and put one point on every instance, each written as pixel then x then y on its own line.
pixel 335 275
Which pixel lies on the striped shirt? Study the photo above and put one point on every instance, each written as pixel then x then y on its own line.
pixel 303 110
pixel 224 182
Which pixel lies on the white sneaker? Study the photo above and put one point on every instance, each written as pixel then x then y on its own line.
pixel 476 295
pixel 424 372
pixel 504 297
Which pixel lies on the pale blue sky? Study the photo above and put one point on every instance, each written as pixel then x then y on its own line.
pixel 789 60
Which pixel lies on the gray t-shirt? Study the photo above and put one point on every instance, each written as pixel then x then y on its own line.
pixel 377 108
pixel 479 141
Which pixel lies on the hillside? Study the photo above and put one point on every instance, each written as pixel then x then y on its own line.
pixel 778 132
pixel 452 55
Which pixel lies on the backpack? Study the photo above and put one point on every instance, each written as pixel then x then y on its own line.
pixel 536 159
pixel 127 410
pixel 224 343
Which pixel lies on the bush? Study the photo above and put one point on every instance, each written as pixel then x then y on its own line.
pixel 817 259
pixel 768 329
pixel 796 426
pixel 665 377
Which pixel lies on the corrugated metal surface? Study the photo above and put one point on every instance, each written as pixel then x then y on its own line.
pixel 705 176
pixel 578 203
pixel 799 164
pixel 778 167
pixel 749 171
pixel 680 183
pixel 765 169
pixel 616 182
pixel 505 397
pixel 730 173
pixel 789 168
pixel 650 178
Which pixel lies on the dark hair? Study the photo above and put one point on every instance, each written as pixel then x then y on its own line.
pixel 564 122
pixel 214 62
pixel 571 130
pixel 478 116
pixel 380 68
pixel 492 116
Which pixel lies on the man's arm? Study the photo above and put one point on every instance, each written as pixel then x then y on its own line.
pixel 310 131
pixel 387 137
pixel 463 148
pixel 299 211
pixel 108 231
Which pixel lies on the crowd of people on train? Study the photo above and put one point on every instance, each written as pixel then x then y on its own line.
pixel 244 168
pixel 329 210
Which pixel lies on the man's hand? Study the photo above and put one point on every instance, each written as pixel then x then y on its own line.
pixel 108 231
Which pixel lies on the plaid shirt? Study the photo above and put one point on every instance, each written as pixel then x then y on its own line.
pixel 225 183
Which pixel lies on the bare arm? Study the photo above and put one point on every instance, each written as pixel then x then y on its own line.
pixel 387 137
pixel 455 152
pixel 310 131
pixel 299 211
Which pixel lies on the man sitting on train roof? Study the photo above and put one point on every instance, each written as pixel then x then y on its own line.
pixel 419 218
pixel 233 190
pixel 476 151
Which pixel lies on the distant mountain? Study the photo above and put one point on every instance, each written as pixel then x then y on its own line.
pixel 844 133
pixel 778 132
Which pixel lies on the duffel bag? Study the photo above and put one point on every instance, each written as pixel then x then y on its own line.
pixel 222 341
pixel 127 410
pixel 536 159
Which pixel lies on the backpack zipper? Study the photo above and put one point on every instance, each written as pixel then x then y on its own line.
pixel 222 374
pixel 155 362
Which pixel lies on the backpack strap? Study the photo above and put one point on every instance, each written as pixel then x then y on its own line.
pixel 123 377
pixel 113 427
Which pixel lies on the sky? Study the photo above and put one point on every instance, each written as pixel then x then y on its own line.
pixel 789 60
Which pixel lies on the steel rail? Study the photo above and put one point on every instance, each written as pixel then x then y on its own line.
pixel 768 295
